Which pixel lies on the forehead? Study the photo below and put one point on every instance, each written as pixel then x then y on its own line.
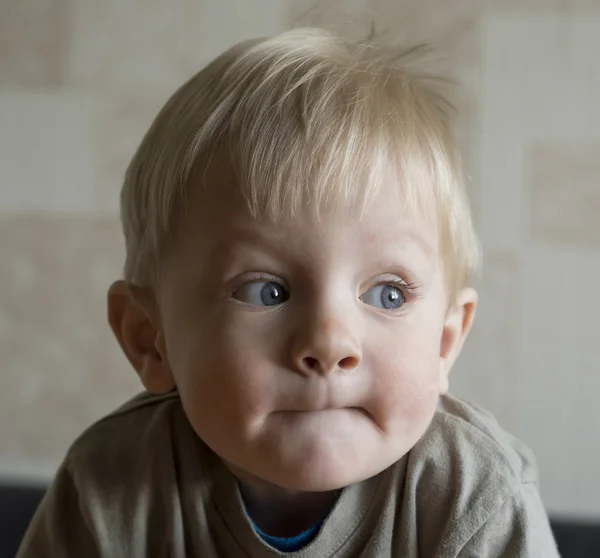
pixel 218 187
pixel 217 213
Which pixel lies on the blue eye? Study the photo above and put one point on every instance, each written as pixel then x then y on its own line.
pixel 262 293
pixel 388 297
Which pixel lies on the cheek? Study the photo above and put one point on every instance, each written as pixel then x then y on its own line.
pixel 410 391
pixel 223 373
pixel 406 382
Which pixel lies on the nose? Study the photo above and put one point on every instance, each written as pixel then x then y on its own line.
pixel 326 347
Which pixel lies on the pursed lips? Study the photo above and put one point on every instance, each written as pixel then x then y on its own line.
pixel 327 409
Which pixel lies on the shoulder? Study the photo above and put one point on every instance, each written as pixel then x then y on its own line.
pixel 129 443
pixel 462 473
pixel 122 477
pixel 128 426
pixel 462 432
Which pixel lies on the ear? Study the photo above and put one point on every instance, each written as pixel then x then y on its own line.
pixel 134 318
pixel 456 328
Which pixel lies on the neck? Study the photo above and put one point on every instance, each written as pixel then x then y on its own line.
pixel 281 512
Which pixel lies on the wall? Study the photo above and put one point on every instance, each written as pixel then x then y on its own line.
pixel 81 81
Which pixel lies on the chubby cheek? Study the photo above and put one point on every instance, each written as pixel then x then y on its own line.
pixel 223 381
pixel 406 390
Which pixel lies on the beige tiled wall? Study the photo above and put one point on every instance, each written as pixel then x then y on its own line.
pixel 80 82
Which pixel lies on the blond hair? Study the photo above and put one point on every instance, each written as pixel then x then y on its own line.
pixel 310 119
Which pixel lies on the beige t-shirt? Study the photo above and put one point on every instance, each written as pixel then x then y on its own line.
pixel 141 483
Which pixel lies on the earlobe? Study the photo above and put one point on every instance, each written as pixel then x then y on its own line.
pixel 132 315
pixel 456 329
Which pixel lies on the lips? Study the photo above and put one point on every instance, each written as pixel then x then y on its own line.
pixel 313 408
pixel 328 409
pixel 318 394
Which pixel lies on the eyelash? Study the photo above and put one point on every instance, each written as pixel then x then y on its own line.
pixel 410 290
pixel 264 278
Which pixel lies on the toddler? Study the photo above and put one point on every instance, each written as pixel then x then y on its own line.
pixel 296 290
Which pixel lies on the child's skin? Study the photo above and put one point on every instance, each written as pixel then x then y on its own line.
pixel 321 389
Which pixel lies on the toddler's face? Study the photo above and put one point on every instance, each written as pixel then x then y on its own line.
pixel 307 353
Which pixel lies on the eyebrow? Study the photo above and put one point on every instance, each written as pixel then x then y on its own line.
pixel 248 234
pixel 410 235
pixel 271 242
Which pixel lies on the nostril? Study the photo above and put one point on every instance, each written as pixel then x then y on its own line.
pixel 311 363
pixel 348 363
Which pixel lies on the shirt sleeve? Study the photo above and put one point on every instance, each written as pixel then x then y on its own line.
pixel 58 527
pixel 518 529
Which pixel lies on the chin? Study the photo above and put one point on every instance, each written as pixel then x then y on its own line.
pixel 322 475
pixel 322 483
pixel 318 452
pixel 318 483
